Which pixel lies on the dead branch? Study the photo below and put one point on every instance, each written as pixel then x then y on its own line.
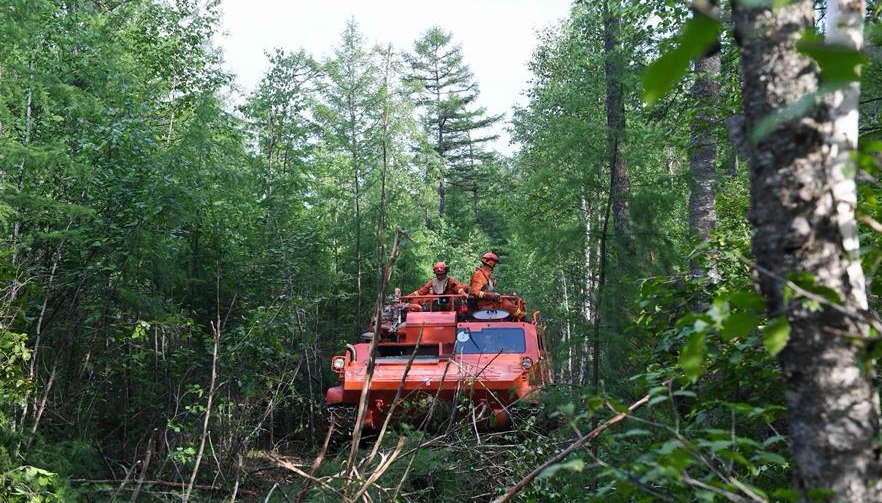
pixel 362 403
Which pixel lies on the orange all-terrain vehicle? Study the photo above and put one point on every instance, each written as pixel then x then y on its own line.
pixel 437 356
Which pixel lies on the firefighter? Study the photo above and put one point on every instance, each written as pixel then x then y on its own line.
pixel 483 289
pixel 441 284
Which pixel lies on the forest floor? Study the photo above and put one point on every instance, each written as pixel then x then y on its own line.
pixel 268 474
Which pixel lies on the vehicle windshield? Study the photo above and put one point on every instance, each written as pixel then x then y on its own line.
pixel 491 340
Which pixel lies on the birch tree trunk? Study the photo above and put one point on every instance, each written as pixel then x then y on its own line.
pixel 703 142
pixel 802 212
pixel 566 369
pixel 702 213
pixel 591 296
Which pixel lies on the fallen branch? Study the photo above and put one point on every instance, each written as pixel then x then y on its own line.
pixel 369 373
pixel 315 480
pixel 316 464
pixel 385 463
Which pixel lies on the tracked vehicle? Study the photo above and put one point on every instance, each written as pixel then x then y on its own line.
pixel 435 357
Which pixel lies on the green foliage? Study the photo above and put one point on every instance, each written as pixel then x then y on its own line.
pixel 562 194
pixel 455 133
pixel 14 382
pixel 839 65
pixel 701 435
pixel 699 33
pixel 142 214
pixel 28 484
pixel 777 333
pixel 692 357
pixel 75 458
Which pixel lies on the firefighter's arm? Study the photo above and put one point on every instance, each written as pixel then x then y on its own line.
pixel 476 285
pixel 424 290
pixel 457 287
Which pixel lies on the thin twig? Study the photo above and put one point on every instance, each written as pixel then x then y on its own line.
pixel 368 376
pixel 397 398
pixel 316 463
pixel 864 316
pixel 291 466
pixel 385 463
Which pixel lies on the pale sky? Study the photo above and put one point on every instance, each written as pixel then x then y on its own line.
pixel 497 36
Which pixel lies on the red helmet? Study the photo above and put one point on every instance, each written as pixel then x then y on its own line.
pixel 440 268
pixel 490 259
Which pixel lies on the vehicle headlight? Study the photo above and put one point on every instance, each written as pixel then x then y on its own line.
pixel 526 363
pixel 338 363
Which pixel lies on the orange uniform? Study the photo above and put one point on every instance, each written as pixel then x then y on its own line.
pixel 446 286
pixel 441 284
pixel 482 287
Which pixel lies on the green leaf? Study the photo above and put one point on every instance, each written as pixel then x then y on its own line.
pixel 771 457
pixel 799 108
pixel 786 494
pixel 839 64
pixel 775 439
pixel 577 465
pixel 636 432
pixel 746 299
pixel 736 457
pixel 658 390
pixel 567 409
pixel 658 399
pixel 718 445
pixel 738 325
pixel 692 356
pixel 777 333
pixel 669 447
pixel 617 405
pixel 699 33
pixel 774 4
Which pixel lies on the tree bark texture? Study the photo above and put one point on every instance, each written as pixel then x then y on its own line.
pixel 802 212
pixel 620 185
pixel 703 142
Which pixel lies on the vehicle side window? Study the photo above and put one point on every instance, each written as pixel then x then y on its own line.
pixel 492 341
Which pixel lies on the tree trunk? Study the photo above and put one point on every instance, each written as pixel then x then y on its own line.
pixel 566 372
pixel 594 261
pixel 702 213
pixel 703 143
pixel 802 212
pixel 620 185
pixel 356 183
pixel 439 148
pixel 16 226
pixel 385 139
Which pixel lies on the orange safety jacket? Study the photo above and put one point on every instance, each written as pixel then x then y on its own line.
pixel 452 287
pixel 481 283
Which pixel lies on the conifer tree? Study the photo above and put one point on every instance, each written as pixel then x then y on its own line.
pixel 455 127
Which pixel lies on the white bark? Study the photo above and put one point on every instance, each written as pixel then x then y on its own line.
pixel 802 210
pixel 590 286
pixel 844 28
pixel 568 328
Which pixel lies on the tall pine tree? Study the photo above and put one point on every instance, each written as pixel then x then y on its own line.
pixel 455 127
